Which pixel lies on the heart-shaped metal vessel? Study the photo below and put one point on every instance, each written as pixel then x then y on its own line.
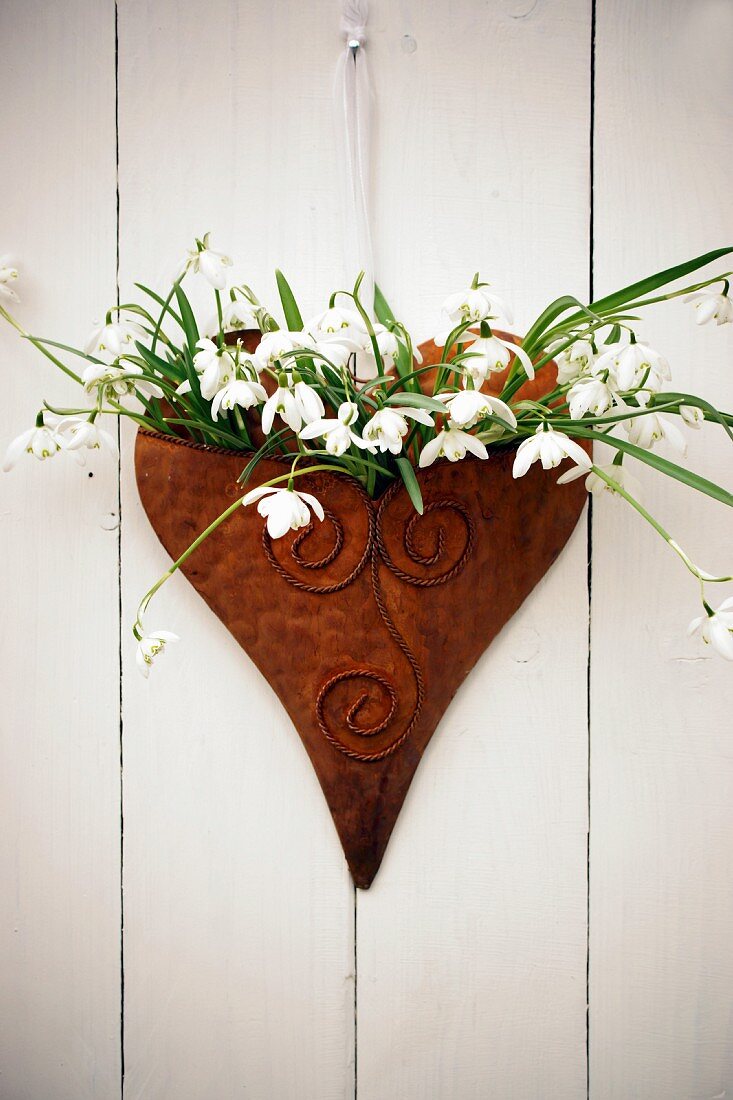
pixel 366 624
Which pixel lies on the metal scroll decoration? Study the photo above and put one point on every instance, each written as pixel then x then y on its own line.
pixel 365 624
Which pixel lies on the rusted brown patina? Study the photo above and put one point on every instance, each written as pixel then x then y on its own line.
pixel 366 624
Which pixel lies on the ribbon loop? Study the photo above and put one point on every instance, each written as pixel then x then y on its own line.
pixel 352 96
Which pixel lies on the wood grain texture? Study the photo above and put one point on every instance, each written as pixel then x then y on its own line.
pixel 59 648
pixel 238 904
pixel 471 942
pixel 239 915
pixel 661 964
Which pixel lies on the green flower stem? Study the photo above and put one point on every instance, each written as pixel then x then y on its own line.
pixel 137 629
pixel 37 344
pixel 616 487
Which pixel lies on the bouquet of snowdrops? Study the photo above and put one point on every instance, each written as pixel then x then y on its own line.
pixel 346 392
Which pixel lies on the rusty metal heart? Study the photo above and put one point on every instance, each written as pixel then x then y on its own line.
pixel 365 624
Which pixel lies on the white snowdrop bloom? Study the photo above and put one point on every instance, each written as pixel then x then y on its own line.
pixel 113 339
pixel 285 509
pixel 716 629
pixel 634 365
pixel 646 430
pixel 453 444
pixel 214 366
pixel 492 354
pixel 79 433
pixel 235 315
pixel 469 406
pixel 283 404
pixel 209 263
pixel 365 363
pixel 596 484
pixel 589 395
pixel 8 275
pixel 237 392
pixel 474 304
pixel 338 321
pixel 692 416
pixel 710 306
pixel 338 434
pixel 42 441
pixel 335 350
pixel 550 447
pixel 119 379
pixel 574 361
pixel 274 345
pixel 485 355
pixel 388 427
pixel 150 646
pixel 308 401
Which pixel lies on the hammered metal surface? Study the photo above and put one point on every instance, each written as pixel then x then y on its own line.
pixel 366 624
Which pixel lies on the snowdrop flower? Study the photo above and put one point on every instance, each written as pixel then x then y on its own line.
pixel 338 433
pixel 710 306
pixel 283 404
pixel 80 433
pixel 114 378
pixel 452 444
pixel 237 314
pixel 595 484
pixel 634 365
pixel 589 395
pixel 388 427
pixel 646 430
pixel 204 260
pixel 475 304
pixel 214 366
pixel 307 401
pixel 274 345
pixel 488 354
pixel 149 646
pixel 8 275
pixel 550 447
pixel 469 406
pixel 692 416
pixel 238 392
pixel 285 509
pixel 337 321
pixel 42 441
pixel 114 339
pixel 574 361
pixel 716 628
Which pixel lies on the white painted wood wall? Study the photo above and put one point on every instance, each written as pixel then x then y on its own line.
pixel 250 967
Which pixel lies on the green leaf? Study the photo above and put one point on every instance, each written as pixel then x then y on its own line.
pixel 546 318
pixel 161 302
pixel 407 473
pixel 415 401
pixel 381 308
pixel 671 469
pixel 187 319
pixel 62 347
pixel 293 319
pixel 661 278
pixel 162 366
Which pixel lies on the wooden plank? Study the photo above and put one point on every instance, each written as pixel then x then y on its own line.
pixel 661 966
pixel 59 649
pixel 472 941
pixel 238 905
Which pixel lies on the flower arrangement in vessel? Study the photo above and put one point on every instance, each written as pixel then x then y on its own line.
pixel 360 493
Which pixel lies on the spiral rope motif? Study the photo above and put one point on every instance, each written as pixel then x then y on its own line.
pixel 375 550
pixel 414 554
